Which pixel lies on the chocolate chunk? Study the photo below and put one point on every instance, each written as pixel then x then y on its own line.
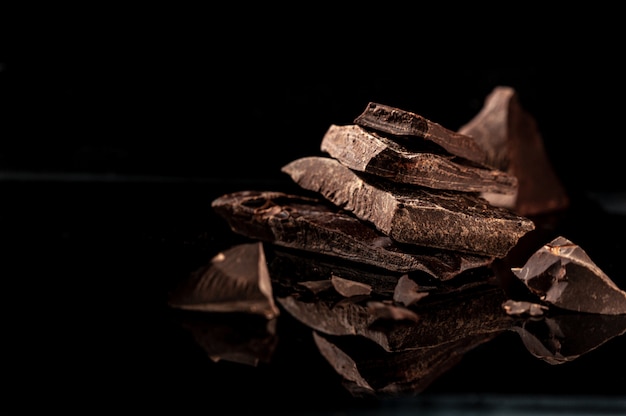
pixel 562 274
pixel 235 280
pixel 402 123
pixel 317 226
pixel 408 291
pixel 369 152
pixel 513 142
pixel 521 307
pixel 450 220
pixel 348 288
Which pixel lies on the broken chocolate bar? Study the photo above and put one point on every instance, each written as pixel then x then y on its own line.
pixel 450 220
pixel 402 123
pixel 317 226
pixel 513 142
pixel 562 274
pixel 369 152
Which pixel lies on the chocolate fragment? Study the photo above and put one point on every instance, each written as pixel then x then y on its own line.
pixel 513 142
pixel 562 274
pixel 317 286
pixel 398 122
pixel 414 215
pixel 317 226
pixel 408 291
pixel 369 152
pixel 235 280
pixel 520 308
pixel 347 287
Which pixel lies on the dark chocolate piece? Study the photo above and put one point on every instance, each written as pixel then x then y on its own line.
pixel 398 122
pixel 512 139
pixel 450 220
pixel 408 291
pixel 562 274
pixel 347 287
pixel 235 280
pixel 317 226
pixel 522 307
pixel 369 152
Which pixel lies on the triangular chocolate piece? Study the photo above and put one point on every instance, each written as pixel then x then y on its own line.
pixel 236 280
pixel 563 275
pixel 511 137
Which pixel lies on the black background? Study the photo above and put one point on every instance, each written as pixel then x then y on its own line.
pixel 119 127
pixel 237 93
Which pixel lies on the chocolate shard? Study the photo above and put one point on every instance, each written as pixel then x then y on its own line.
pixel 402 123
pixel 562 274
pixel 348 288
pixel 513 142
pixel 408 291
pixel 235 280
pixel 521 308
pixel 317 226
pixel 368 152
pixel 450 220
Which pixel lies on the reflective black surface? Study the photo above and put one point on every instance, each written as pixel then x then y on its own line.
pixel 87 283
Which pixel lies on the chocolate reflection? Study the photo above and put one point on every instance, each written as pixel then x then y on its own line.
pixel 386 334
pixel 367 370
pixel 565 337
pixel 396 328
pixel 241 338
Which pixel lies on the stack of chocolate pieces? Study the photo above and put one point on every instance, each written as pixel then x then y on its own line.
pixel 395 191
